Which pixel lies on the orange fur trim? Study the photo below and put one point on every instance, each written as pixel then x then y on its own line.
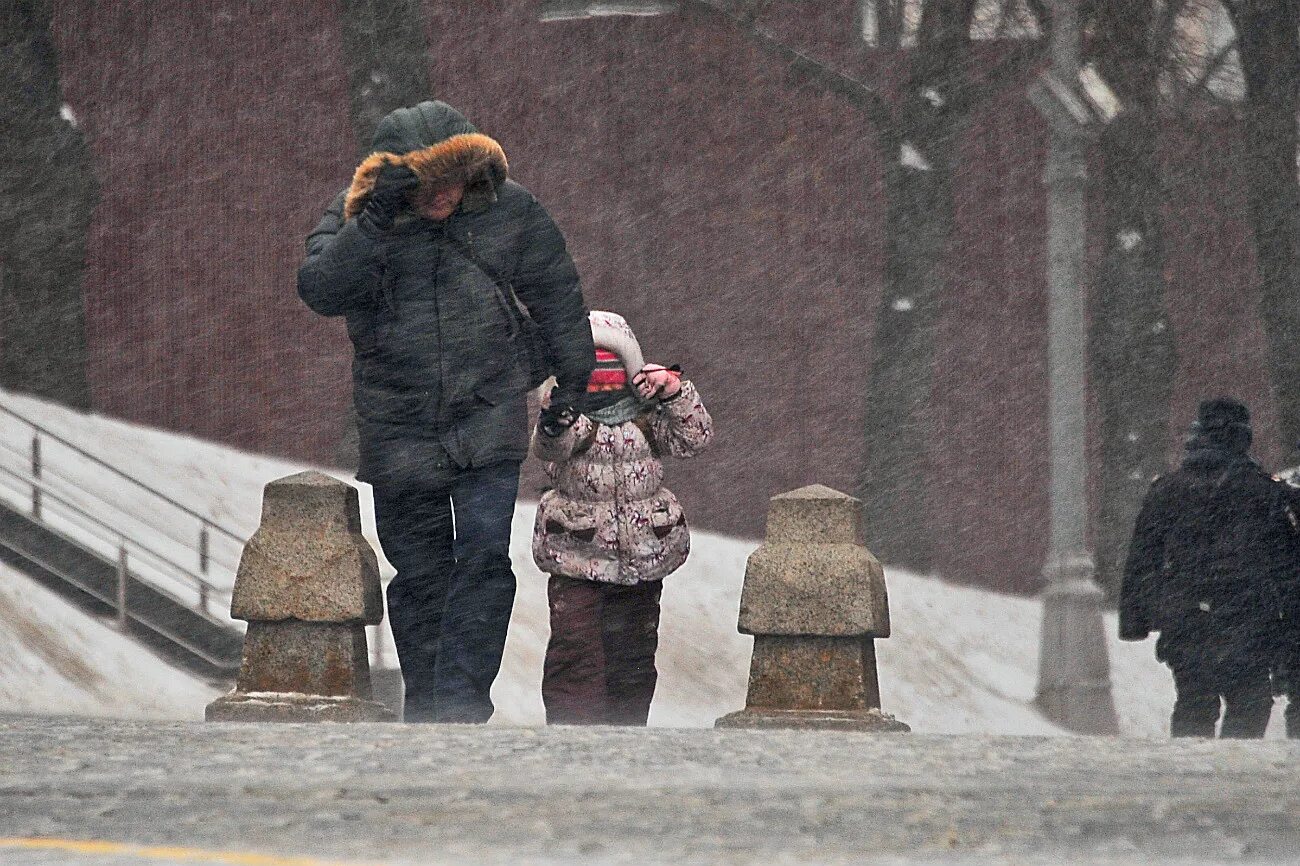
pixel 461 158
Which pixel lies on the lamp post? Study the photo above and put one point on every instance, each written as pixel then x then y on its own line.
pixel 1074 668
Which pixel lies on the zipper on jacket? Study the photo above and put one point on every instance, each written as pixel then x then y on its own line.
pixel 437 232
pixel 386 279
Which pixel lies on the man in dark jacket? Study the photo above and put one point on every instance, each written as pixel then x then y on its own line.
pixel 425 256
pixel 1211 547
pixel 1286 670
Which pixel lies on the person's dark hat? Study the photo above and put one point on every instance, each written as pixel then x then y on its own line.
pixel 1220 413
pixel 1222 423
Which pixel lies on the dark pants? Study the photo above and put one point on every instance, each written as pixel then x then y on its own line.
pixel 1244 688
pixel 1290 672
pixel 449 605
pixel 1293 710
pixel 600 662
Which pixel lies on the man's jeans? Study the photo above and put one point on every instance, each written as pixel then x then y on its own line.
pixel 450 603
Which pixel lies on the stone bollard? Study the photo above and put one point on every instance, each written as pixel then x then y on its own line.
pixel 308 585
pixel 814 600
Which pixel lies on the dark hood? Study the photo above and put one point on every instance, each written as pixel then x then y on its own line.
pixel 436 142
pixel 418 127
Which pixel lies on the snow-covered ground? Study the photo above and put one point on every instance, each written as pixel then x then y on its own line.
pixel 56 659
pixel 960 659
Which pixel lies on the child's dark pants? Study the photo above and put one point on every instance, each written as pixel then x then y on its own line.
pixel 600 662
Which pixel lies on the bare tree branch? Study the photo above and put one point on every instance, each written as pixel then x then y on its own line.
pixel 1026 55
pixel 889 24
pixel 811 69
pixel 1014 18
pixel 945 22
pixel 1005 22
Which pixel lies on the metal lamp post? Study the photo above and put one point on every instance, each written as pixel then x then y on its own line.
pixel 1074 668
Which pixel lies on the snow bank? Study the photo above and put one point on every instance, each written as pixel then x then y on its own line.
pixel 961 660
pixel 56 659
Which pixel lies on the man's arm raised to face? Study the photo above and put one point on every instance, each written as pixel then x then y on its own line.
pixel 342 265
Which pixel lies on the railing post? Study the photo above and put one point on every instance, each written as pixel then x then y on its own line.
pixel 36 477
pixel 203 550
pixel 121 585
pixel 203 567
pixel 376 648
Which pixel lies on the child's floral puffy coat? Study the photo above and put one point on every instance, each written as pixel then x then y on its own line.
pixel 608 516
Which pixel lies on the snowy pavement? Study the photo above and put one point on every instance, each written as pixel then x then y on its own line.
pixel 453 794
pixel 960 661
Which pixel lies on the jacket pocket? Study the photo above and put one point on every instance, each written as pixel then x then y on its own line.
pixel 661 541
pixel 581 528
pixel 491 395
pixel 666 516
pixel 379 399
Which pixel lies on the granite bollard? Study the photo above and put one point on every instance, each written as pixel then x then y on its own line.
pixel 815 602
pixel 308 585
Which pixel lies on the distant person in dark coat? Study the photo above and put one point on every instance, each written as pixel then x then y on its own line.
pixel 1287 667
pixel 1212 546
pixel 425 256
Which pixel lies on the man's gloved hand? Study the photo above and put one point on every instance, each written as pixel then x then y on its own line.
pixel 556 418
pixel 559 411
pixel 387 199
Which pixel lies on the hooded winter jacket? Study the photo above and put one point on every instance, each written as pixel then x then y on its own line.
pixel 609 518
pixel 440 373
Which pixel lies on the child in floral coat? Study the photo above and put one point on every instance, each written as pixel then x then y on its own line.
pixel 608 531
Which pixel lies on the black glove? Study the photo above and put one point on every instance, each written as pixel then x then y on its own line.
pixel 558 416
pixel 387 199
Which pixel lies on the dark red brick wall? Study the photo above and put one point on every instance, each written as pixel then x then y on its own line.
pixel 219 131
pixel 731 213
pixel 1213 295
pixel 989 489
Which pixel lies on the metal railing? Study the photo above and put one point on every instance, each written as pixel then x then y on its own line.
pixel 63 505
pixel 118 602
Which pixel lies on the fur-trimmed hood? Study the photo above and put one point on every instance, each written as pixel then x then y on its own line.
pixel 441 146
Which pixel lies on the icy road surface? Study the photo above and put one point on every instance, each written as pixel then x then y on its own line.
pixel 452 794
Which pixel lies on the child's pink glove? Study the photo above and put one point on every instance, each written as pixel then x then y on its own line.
pixel 655 380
